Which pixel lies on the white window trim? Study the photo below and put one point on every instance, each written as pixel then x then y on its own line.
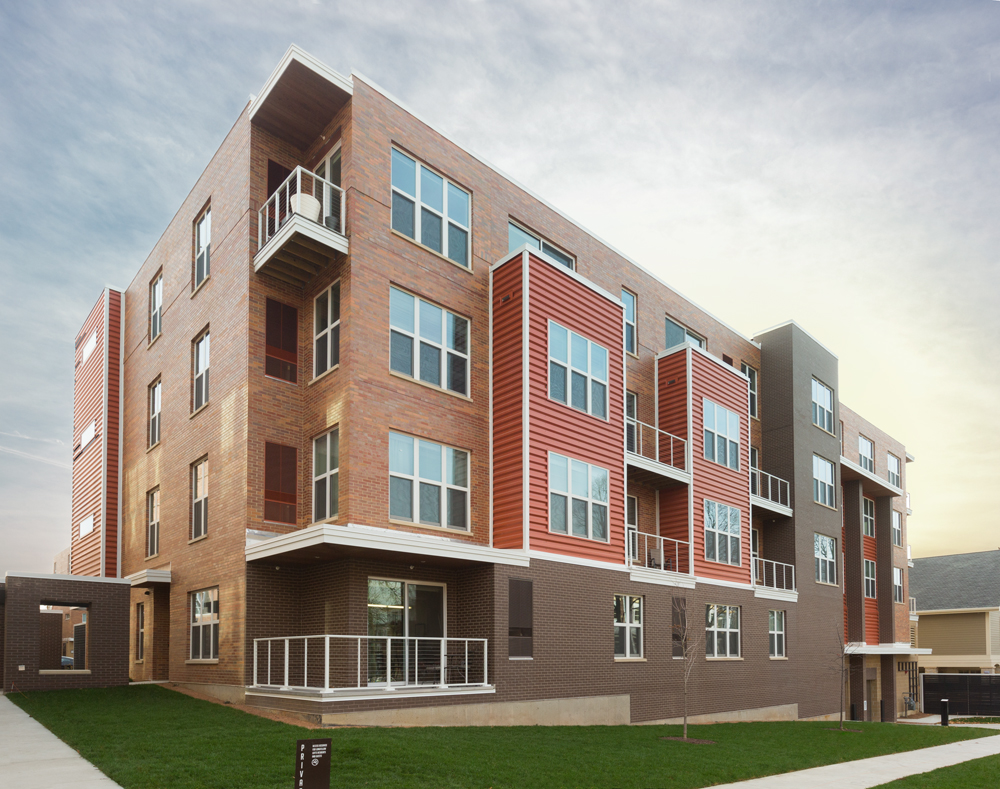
pixel 206 595
pixel 727 535
pixel 199 502
pixel 895 476
pixel 156 307
pixel 153 522
pixel 820 410
pixel 444 347
pixel 868 516
pixel 776 631
pixel 416 480
pixel 329 474
pixel 570 369
pixel 714 629
pixel 202 228
pixel 632 323
pixel 829 562
pixel 328 331
pixel 870 580
pixel 705 402
pixel 630 625
pixel 751 373
pixel 569 496
pixel 201 371
pixel 897 587
pixel 897 528
pixel 140 630
pixel 823 492
pixel 544 246
pixel 866 461
pixel 155 403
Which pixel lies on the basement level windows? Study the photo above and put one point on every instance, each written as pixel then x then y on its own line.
pixel 428 343
pixel 205 624
pixel 822 406
pixel 628 626
pixel 870 585
pixel 823 482
pixel 722 435
pixel 517 236
pixel 202 247
pixel 430 209
pixel 825 551
pixel 722 631
pixel 326 332
pixel 677 335
pixel 892 464
pixel 578 371
pixel 578 498
pixel 722 533
pixel 428 483
pixel 866 453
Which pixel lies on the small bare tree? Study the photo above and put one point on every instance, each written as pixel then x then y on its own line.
pixel 840 664
pixel 691 642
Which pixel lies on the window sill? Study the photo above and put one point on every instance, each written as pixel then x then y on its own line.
pixel 632 354
pixel 723 659
pixel 777 658
pixel 818 427
pixel 153 341
pixel 444 529
pixel 332 519
pixel 324 374
pixel 198 539
pixel 281 523
pixel 198 411
pixel 154 556
pixel 151 448
pixel 200 285
pixel 63 671
pixel 281 380
pixel 722 564
pixel 207 662
pixel 466 269
pixel 426 385
pixel 630 660
pixel 827 583
pixel 520 658
pixel 821 504
pixel 140 660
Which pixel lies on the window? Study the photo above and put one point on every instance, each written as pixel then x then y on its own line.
pixel 326 334
pixel 632 526
pixel 444 209
pixel 199 499
pixel 441 355
pixel 153 522
pixel 722 435
pixel 89 347
pixel 678 636
pixel 893 465
pixel 205 625
pixel 722 631
pixel 281 475
pixel 517 236
pixel 428 483
pixel 86 525
pixel 326 476
pixel 631 338
pixel 519 618
pixel 897 584
pixel 201 371
pixel 825 551
pixel 868 517
pixel 578 371
pixel 281 341
pixel 776 633
pixel 677 334
pixel 154 413
pixel 869 579
pixel 631 426
pixel 866 452
pixel 823 481
pixel 578 498
pixel 822 406
pixel 897 528
pixel 155 307
pixel 628 626
pixel 751 373
pixel 722 533
pixel 140 631
pixel 202 245
pixel 89 434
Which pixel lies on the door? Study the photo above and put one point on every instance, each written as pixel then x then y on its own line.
pixel 407 621
pixel 330 198
pixel 871 697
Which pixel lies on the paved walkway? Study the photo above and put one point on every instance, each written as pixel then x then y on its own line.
pixel 865 773
pixel 32 756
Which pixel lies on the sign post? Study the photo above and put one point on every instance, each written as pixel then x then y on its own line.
pixel 312 764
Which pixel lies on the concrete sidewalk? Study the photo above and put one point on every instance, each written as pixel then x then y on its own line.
pixel 32 756
pixel 865 773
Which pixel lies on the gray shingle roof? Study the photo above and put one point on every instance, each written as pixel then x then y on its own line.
pixel 964 580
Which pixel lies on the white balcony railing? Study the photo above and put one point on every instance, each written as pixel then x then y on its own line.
pixel 655 552
pixel 769 487
pixel 773 575
pixel 306 194
pixel 655 444
pixel 339 662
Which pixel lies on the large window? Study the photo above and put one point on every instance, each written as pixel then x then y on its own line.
pixel 870 579
pixel 428 343
pixel 326 476
pixel 578 371
pixel 631 425
pixel 722 533
pixel 677 334
pixel 823 481
pixel 517 236
pixel 578 498
pixel 140 631
pixel 776 633
pixel 722 631
pixel 281 341
pixel 201 362
pixel 822 406
pixel 722 435
pixel 825 551
pixel 868 517
pixel 155 307
pixel 205 624
pixel 897 584
pixel 202 246
pixel 326 330
pixel 893 466
pixel 628 626
pixel 679 637
pixel 199 499
pixel 154 413
pixel 631 338
pixel 280 483
pixel 428 483
pixel 751 373
pixel 897 528
pixel 443 209
pixel 153 522
pixel 866 452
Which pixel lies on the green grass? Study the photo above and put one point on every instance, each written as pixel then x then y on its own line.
pixel 148 736
pixel 983 772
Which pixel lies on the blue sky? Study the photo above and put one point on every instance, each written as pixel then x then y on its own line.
pixel 829 162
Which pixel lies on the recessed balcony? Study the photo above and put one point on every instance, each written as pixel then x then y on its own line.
pixel 301 228
pixel 770 493
pixel 655 457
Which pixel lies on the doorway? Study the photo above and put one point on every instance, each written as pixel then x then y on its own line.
pixel 406 628
pixel 871 695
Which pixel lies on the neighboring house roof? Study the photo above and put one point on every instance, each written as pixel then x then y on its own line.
pixel 963 580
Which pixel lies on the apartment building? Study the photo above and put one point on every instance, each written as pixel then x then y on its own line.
pixel 401 442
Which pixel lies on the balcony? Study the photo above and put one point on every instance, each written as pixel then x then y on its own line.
pixel 301 228
pixel 773 575
pixel 658 559
pixel 770 493
pixel 343 667
pixel 655 457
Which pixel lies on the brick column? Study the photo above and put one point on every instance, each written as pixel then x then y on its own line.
pixel 888 685
pixel 854 580
pixel 856 672
pixel 158 627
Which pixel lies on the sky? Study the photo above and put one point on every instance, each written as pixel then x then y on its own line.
pixel 834 163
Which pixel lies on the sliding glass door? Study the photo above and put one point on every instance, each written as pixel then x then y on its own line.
pixel 406 625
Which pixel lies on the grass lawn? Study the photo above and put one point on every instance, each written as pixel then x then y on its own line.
pixel 148 736
pixel 983 772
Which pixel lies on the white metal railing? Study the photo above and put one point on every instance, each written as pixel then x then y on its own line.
pixel 655 552
pixel 306 194
pixel 339 662
pixel 655 444
pixel 913 605
pixel 770 487
pixel 773 575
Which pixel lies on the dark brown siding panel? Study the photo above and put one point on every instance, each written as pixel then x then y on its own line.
pixel 519 618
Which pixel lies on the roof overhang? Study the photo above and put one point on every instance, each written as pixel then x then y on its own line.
pixel 300 98
pixel 870 484
pixel 146 577
pixel 54 577
pixel 981 610
pixel 858 648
